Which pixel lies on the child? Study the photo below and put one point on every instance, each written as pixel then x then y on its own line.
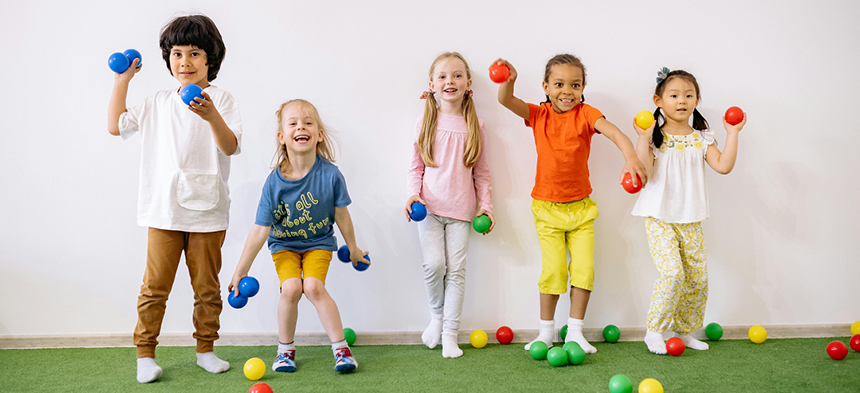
pixel 183 196
pixel 675 202
pixel 304 196
pixel 449 174
pixel 563 211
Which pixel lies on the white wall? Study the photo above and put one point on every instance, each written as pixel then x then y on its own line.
pixel 783 227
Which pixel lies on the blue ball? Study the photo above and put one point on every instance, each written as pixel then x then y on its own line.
pixel 361 266
pixel 236 301
pixel 189 92
pixel 343 254
pixel 132 54
pixel 419 212
pixel 248 287
pixel 118 62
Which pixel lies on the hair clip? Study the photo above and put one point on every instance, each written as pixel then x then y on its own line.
pixel 425 94
pixel 662 75
pixel 469 93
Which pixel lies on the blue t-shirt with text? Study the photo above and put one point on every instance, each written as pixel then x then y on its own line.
pixel 301 212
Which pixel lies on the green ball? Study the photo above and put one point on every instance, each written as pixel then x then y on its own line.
pixel 714 331
pixel 538 350
pixel 482 223
pixel 620 384
pixel 575 353
pixel 611 334
pixel 563 333
pixel 557 356
pixel 349 335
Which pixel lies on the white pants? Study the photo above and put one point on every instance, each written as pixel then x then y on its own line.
pixel 444 242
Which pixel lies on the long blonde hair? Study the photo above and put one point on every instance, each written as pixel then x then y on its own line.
pixel 326 146
pixel 427 136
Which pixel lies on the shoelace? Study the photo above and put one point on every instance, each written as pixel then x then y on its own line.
pixel 341 354
pixel 289 355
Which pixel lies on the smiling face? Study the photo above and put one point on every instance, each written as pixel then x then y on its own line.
pixel 564 87
pixel 678 100
pixel 300 130
pixel 189 65
pixel 450 80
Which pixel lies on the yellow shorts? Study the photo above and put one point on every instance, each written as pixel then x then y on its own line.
pixel 295 264
pixel 571 226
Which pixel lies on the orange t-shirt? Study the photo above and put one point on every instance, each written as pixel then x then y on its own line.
pixel 563 142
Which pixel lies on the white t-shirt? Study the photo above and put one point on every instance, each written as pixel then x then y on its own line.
pixel 676 191
pixel 183 175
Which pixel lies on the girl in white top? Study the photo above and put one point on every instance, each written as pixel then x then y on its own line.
pixel 674 203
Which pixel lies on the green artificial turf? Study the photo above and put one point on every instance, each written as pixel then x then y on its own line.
pixel 777 365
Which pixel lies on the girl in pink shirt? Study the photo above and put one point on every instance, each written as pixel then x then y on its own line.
pixel 449 175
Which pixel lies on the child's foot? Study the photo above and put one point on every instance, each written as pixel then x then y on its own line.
pixel 450 346
pixel 343 360
pixel 547 328
pixel 574 333
pixel 431 335
pixel 212 363
pixel 286 362
pixel 655 342
pixel 147 370
pixel 692 343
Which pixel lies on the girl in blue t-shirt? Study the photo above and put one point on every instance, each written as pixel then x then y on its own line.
pixel 302 198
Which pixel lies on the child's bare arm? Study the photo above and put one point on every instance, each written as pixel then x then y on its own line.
pixel 723 162
pixel 256 239
pixel 116 105
pixel 632 164
pixel 506 93
pixel 225 139
pixel 344 222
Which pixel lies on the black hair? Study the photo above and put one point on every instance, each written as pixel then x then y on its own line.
pixel 194 30
pixel 699 122
pixel 564 59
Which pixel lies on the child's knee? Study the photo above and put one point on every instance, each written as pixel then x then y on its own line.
pixel 313 288
pixel 291 290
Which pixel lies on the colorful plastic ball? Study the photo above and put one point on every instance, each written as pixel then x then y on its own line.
pixel 504 335
pixel 837 350
pixel 757 334
pixel 419 211
pixel 650 385
pixel 132 54
pixel 620 384
pixel 248 286
pixel 627 183
pixel 714 331
pixel 675 346
pixel 349 336
pixel 482 223
pixel 563 333
pixel 478 338
pixel 189 92
pixel 575 353
pixel 734 115
pixel 361 266
pixel 255 369
pixel 538 350
pixel 343 254
pixel 261 387
pixel 236 301
pixel 557 356
pixel 855 342
pixel 611 334
pixel 499 73
pixel 118 62
pixel 644 119
pixel 855 328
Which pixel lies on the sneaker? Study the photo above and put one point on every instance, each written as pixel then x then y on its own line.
pixel 343 361
pixel 286 362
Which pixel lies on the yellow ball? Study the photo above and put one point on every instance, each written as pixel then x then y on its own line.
pixel 478 338
pixel 255 368
pixel 855 328
pixel 757 334
pixel 644 119
pixel 650 385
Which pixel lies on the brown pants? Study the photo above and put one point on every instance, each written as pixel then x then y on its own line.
pixel 203 257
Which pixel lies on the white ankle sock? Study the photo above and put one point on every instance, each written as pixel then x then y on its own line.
pixel 286 347
pixel 338 345
pixel 450 346
pixel 212 363
pixel 655 342
pixel 574 333
pixel 147 370
pixel 547 328
pixel 692 343
pixel 431 335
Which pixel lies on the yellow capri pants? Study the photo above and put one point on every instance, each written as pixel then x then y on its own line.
pixel 304 264
pixel 561 227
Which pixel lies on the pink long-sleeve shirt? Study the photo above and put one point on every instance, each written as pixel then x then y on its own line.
pixel 450 189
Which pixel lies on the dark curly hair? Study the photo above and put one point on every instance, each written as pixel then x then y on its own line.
pixel 194 30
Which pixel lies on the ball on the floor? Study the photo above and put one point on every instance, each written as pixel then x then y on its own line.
pixel 255 369
pixel 478 338
pixel 837 350
pixel 557 356
pixel 611 333
pixel 855 342
pixel 620 384
pixel 714 331
pixel 563 333
pixel 538 350
pixel 855 328
pixel 675 346
pixel 261 387
pixel 349 336
pixel 236 301
pixel 249 286
pixel 504 335
pixel 757 334
pixel 575 353
pixel 650 385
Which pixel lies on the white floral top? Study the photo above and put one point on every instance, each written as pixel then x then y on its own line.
pixel 676 192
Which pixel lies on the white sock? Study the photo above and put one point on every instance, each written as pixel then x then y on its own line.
pixel 147 370
pixel 692 343
pixel 547 328
pixel 338 345
pixel 431 335
pixel 450 346
pixel 212 363
pixel 574 333
pixel 655 342
pixel 286 347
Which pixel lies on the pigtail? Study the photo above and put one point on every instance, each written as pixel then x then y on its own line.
pixel 699 122
pixel 473 145
pixel 657 135
pixel 427 135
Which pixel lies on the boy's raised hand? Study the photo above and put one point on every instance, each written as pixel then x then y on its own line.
pixel 129 73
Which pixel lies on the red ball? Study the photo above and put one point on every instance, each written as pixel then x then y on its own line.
pixel 837 350
pixel 627 183
pixel 505 335
pixel 261 387
pixel 675 346
pixel 499 73
pixel 855 342
pixel 734 115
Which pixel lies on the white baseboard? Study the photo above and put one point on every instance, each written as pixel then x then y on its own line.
pixel 389 338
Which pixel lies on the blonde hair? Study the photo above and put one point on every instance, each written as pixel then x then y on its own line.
pixel 427 136
pixel 326 146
